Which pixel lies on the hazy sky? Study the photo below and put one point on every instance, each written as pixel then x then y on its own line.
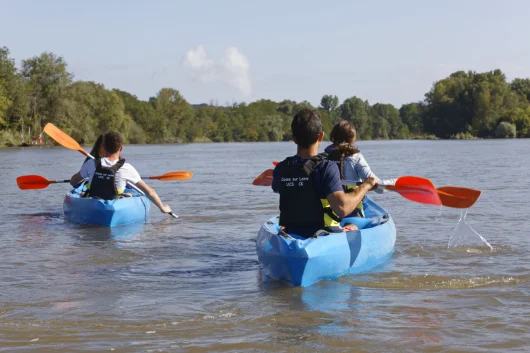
pixel 385 51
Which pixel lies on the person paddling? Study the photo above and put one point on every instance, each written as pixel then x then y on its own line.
pixel 311 194
pixel 109 175
pixel 353 165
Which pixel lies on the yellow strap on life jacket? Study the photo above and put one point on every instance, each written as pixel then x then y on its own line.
pixel 353 187
pixel 328 221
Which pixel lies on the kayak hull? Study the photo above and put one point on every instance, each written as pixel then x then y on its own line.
pixel 106 213
pixel 303 262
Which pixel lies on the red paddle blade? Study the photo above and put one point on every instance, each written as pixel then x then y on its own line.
pixel 457 197
pixel 275 163
pixel 264 179
pixel 417 189
pixel 32 182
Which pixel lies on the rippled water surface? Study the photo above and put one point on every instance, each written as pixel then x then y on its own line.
pixel 194 284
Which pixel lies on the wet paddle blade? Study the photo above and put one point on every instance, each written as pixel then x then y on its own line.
pixel 457 197
pixel 417 189
pixel 32 182
pixel 264 179
pixel 184 175
pixel 62 138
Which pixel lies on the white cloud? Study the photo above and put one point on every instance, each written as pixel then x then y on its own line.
pixel 233 69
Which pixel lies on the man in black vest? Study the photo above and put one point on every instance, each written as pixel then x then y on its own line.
pixel 109 176
pixel 311 194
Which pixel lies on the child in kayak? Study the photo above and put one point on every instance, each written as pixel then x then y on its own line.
pixel 109 175
pixel 311 194
pixel 353 165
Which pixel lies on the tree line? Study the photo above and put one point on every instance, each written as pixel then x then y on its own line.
pixel 42 90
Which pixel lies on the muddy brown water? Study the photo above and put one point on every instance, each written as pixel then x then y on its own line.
pixel 194 284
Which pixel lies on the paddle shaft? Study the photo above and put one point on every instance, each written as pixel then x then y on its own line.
pixel 358 183
pixel 68 180
pixel 58 181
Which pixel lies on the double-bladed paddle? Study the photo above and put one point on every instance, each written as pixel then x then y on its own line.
pixel 66 141
pixel 450 196
pixel 34 182
pixel 412 188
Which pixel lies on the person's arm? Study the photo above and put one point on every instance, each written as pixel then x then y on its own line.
pixel 87 169
pixel 153 196
pixel 363 169
pixel 344 204
pixel 76 179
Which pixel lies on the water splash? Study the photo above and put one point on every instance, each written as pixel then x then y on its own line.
pixel 465 235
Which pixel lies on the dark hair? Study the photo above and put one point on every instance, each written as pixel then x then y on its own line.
pixel 96 148
pixel 306 127
pixel 342 132
pixel 341 135
pixel 112 142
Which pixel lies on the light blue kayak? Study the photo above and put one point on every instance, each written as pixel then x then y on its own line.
pixel 106 213
pixel 303 262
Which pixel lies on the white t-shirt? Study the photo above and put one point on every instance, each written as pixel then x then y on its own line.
pixel 123 175
pixel 356 168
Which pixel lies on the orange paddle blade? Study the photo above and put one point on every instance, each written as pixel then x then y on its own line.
pixel 417 189
pixel 63 139
pixel 183 175
pixel 275 163
pixel 457 197
pixel 264 179
pixel 32 182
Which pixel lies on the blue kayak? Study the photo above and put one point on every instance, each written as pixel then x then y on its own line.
pixel 106 213
pixel 303 262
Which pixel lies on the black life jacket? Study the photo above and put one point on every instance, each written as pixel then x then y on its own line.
pixel 103 183
pixel 300 206
pixel 334 155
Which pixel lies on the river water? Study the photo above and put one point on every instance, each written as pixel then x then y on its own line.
pixel 194 284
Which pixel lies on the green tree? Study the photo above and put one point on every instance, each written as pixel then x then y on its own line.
pixel 287 107
pixel 92 110
pixel 469 102
pixel 145 116
pixel 176 113
pixel 505 129
pixel 520 118
pixel 272 128
pixel 390 113
pixel 136 134
pixel 357 111
pixel 522 87
pixel 5 103
pixel 412 115
pixel 47 80
pixel 14 92
pixel 329 103
pixel 380 128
